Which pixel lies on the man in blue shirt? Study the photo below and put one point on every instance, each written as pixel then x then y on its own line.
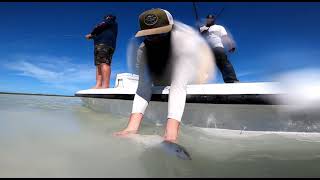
pixel 104 36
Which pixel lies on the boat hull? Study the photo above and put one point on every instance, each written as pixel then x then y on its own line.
pixel 258 106
pixel 247 117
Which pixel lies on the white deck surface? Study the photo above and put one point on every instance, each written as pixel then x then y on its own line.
pixel 232 88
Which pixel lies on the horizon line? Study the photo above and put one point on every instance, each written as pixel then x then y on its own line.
pixel 35 94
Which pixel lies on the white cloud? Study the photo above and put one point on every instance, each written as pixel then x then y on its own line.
pixel 58 72
pixel 247 73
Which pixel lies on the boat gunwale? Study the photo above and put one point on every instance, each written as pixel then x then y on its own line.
pixel 247 99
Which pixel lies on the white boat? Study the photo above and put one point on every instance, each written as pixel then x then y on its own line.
pixel 236 106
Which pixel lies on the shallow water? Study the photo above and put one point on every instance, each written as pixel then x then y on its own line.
pixel 59 137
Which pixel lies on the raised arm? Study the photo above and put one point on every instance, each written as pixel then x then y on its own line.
pixel 101 27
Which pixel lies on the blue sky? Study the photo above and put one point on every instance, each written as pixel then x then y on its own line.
pixel 43 49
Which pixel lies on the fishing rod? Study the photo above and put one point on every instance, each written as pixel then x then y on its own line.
pixel 73 36
pixel 219 13
pixel 197 17
pixel 196 13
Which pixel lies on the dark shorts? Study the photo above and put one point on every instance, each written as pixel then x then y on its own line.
pixel 103 54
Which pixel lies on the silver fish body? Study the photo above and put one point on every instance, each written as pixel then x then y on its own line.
pixel 150 141
pixel 176 149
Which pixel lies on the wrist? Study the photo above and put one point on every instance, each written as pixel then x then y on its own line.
pixel 134 122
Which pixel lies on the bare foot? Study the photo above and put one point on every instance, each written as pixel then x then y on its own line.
pixel 133 125
pixel 104 87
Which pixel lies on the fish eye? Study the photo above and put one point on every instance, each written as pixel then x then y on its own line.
pixel 177 150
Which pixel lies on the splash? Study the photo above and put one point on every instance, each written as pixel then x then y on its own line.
pixel 302 88
pixel 301 98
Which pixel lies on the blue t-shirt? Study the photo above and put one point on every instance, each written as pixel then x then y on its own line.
pixel 106 33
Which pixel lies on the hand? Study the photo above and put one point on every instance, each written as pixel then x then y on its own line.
pixel 125 133
pixel 133 125
pixel 204 29
pixel 88 36
pixel 232 50
pixel 204 32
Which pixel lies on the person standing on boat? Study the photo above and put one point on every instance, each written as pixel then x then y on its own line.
pixel 216 35
pixel 104 36
pixel 171 54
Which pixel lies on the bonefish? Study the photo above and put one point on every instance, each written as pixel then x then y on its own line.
pixel 157 141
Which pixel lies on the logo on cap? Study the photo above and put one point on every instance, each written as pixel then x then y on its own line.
pixel 150 19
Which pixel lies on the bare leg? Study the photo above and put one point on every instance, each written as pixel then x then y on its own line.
pixel 133 125
pixel 98 78
pixel 172 130
pixel 106 71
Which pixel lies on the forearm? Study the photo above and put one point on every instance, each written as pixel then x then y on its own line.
pixel 144 92
pixel 176 102
pixel 95 31
pixel 140 104
pixel 138 108
pixel 100 28
pixel 134 122
pixel 229 42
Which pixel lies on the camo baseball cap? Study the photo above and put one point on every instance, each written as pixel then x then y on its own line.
pixel 155 21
